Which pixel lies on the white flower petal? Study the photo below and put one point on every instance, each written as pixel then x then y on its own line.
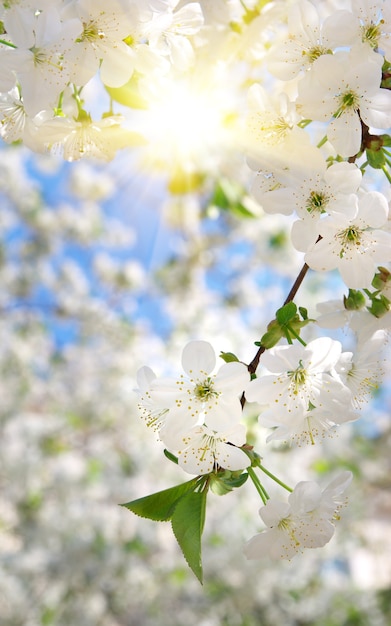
pixel 232 378
pixel 230 457
pixel 198 359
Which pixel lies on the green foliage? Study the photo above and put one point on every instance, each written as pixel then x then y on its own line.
pixel 228 196
pixel 224 482
pixel 187 524
pixel 287 324
pixel 160 506
pixel 228 357
pixel 286 313
pixel 185 506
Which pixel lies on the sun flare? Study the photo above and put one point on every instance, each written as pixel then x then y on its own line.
pixel 189 127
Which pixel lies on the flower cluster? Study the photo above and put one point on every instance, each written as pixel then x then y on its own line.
pixel 198 415
pixel 303 392
pixel 314 130
pixel 336 78
pixel 47 56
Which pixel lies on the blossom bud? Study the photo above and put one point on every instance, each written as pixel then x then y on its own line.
pixel 381 278
pixel 354 301
pixel 379 306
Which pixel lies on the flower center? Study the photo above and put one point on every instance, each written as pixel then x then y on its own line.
pixel 316 202
pixel 315 52
pixel 273 129
pixel 91 32
pixel 348 100
pixel 205 391
pixel 370 33
pixel 349 237
pixel 208 444
pixel 298 377
pixel 40 56
pixel 285 524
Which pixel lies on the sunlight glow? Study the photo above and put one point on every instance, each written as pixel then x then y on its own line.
pixel 189 127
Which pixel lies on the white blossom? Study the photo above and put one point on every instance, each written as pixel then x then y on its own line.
pixel 200 397
pixel 305 521
pixel 300 377
pixel 100 44
pixel 304 43
pixel 37 60
pixel 201 450
pixel 354 244
pixel 343 88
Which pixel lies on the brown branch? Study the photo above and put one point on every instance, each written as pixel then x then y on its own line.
pixel 252 367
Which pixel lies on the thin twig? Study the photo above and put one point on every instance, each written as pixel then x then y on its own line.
pixel 252 367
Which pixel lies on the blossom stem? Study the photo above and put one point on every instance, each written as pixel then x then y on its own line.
pixel 296 336
pixel 304 123
pixel 258 485
pixel 311 436
pixel 8 43
pixel 273 477
pixel 295 287
pixel 387 174
pixel 322 142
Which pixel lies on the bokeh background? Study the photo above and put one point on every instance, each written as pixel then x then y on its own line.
pixel 102 271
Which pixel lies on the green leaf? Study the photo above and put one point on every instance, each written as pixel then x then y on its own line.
pixel 230 196
pixel 303 312
pixel 286 313
pixel 160 506
pixel 228 357
pixel 240 210
pixel 187 524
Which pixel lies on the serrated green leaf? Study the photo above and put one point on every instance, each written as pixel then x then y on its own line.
pixel 160 506
pixel 187 524
pixel 286 313
pixel 228 357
